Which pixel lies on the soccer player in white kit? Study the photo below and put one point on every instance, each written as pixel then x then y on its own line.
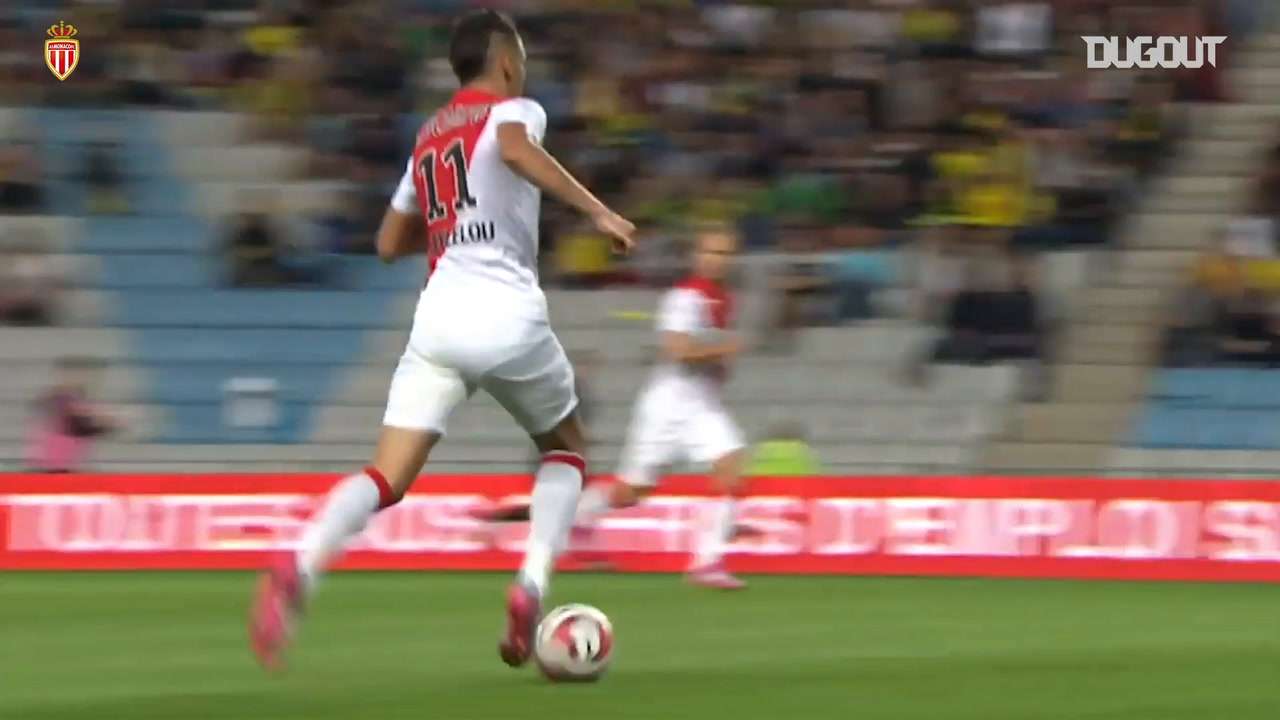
pixel 680 415
pixel 481 323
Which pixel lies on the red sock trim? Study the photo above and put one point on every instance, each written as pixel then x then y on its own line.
pixel 567 458
pixel 386 496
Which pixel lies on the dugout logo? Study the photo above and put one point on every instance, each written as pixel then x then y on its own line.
pixel 1147 52
pixel 62 50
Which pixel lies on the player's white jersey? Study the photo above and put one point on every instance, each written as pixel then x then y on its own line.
pixel 481 321
pixel 701 308
pixel 482 217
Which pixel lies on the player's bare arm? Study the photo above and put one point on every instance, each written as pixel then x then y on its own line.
pixel 537 166
pixel 398 235
pixel 684 348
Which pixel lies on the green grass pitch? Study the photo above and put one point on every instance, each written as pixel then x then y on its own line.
pixel 421 646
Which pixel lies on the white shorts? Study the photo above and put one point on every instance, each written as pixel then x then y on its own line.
pixel 668 429
pixel 456 347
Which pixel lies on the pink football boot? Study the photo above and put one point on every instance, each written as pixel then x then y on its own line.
pixel 524 608
pixel 716 577
pixel 275 609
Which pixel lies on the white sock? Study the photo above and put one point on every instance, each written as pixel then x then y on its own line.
pixel 346 511
pixel 713 532
pixel 555 497
pixel 595 501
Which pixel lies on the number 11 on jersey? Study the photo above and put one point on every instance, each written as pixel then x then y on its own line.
pixel 453 161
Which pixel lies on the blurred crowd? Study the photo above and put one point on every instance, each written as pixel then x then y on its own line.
pixel 966 135
pixel 1230 310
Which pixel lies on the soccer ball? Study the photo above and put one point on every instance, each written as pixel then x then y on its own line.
pixel 574 644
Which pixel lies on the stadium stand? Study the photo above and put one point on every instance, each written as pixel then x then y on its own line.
pixel 152 297
pixel 1198 421
pixel 177 336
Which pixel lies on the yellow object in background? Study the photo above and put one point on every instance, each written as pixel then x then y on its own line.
pixel 783 458
pixel 1218 273
pixel 716 209
pixel 994 205
pixel 985 120
pixel 930 25
pixel 583 254
pixel 958 163
pixel 1262 275
pixel 272 39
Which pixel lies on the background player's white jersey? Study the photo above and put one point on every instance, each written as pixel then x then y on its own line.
pixel 700 308
pixel 679 416
pixel 482 218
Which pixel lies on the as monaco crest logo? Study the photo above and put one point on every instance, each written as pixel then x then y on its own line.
pixel 61 51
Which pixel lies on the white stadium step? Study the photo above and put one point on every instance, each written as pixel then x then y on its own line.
pixel 251 163
pixel 216 129
pixel 23 382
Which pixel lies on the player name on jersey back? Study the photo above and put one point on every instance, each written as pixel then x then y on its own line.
pixel 452 117
pixel 472 232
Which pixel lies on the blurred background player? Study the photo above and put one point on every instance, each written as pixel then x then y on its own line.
pixel 680 416
pixel 481 322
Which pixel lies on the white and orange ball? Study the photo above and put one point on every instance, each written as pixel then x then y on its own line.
pixel 574 644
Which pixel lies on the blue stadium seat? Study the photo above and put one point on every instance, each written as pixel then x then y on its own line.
pixel 1170 426
pixel 1218 429
pixel 244 308
pixel 1218 387
pixel 174 234
pixel 1234 388
pixel 186 270
pixel 126 271
pixel 1180 385
pixel 203 423
pixel 371 273
pixel 180 384
pixel 163 271
pixel 256 345
pixel 877 267
pixel 159 196
pixel 1263 391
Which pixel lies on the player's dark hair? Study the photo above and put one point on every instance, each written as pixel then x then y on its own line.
pixel 469 44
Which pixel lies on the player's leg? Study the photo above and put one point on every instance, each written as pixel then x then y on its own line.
pixel 397 461
pixel 635 481
pixel 716 439
pixel 423 394
pixel 652 443
pixel 421 398
pixel 637 477
pixel 604 496
pixel 557 484
pixel 537 388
